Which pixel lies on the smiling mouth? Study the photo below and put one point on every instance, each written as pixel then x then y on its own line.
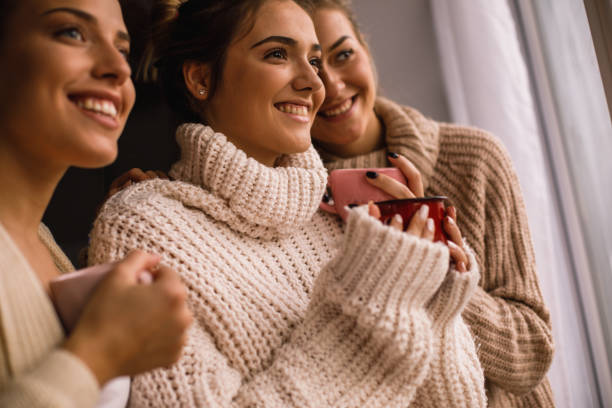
pixel 340 109
pixel 96 105
pixel 293 109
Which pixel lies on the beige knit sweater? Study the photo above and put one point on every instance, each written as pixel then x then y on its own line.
pixel 507 314
pixel 34 372
pixel 292 309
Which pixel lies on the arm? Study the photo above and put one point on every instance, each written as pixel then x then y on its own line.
pixel 365 339
pixel 507 314
pixel 60 380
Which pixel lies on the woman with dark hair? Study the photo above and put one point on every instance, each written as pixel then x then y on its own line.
pixel 292 308
pixel 67 85
pixel 357 128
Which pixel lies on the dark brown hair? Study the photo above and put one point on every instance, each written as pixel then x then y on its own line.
pixel 6 8
pixel 193 30
pixel 345 6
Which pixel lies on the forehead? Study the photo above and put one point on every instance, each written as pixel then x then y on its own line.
pixel 331 24
pixel 107 13
pixel 283 17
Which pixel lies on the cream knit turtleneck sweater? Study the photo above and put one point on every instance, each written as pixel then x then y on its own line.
pixel 506 314
pixel 292 309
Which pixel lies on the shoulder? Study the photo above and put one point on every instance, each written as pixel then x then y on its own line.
pixel 474 149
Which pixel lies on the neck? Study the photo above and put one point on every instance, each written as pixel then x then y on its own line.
pixel 372 139
pixel 26 187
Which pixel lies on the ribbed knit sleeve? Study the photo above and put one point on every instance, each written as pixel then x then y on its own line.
pixel 59 381
pixel 507 314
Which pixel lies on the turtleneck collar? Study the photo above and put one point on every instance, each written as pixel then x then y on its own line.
pixel 250 197
pixel 407 132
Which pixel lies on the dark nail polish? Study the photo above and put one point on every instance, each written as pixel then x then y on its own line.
pixel 371 174
pixel 392 155
pixel 325 198
pixel 352 205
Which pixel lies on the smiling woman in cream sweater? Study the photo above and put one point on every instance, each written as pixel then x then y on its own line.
pixel 292 308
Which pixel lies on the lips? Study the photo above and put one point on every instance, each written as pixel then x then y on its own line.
pixel 294 109
pixel 97 105
pixel 338 109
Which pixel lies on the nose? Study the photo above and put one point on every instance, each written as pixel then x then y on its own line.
pixel 333 82
pixel 111 64
pixel 307 79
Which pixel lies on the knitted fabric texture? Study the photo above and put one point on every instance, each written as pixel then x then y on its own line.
pixel 292 308
pixel 34 372
pixel 507 314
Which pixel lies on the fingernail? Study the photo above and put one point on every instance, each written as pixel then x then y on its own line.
pixel 450 220
pixel 461 266
pixel 392 155
pixel 325 198
pixel 423 212
pixel 398 219
pixel 430 224
pixel 371 174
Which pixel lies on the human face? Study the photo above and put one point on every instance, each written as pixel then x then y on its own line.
pixel 347 113
pixel 66 82
pixel 269 91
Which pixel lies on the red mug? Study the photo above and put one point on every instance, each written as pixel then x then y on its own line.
pixel 350 187
pixel 409 206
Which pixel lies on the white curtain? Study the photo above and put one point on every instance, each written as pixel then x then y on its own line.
pixel 487 84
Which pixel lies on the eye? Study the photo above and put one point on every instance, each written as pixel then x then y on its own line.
pixel 316 63
pixel 344 54
pixel 72 33
pixel 125 52
pixel 277 53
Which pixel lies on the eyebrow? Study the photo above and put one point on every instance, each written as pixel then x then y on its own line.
pixel 338 42
pixel 283 40
pixel 84 16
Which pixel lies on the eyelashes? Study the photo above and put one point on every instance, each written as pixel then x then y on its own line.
pixel 281 54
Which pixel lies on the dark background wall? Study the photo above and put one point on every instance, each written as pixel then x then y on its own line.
pixel 403 45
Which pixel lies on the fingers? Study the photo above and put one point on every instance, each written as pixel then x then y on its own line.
pixel 412 174
pixel 389 185
pixel 452 230
pixel 373 210
pixel 160 174
pixel 428 232
pixel 458 255
pixel 397 222
pixel 134 263
pixel 418 222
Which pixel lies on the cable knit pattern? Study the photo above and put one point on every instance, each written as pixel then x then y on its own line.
pixel 506 313
pixel 292 309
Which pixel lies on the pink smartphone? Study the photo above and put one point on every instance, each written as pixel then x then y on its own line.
pixel 349 186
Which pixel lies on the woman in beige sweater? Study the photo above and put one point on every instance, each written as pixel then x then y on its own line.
pixel 67 93
pixel 292 308
pixel 356 128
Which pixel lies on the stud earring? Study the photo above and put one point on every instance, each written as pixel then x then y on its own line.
pixel 202 91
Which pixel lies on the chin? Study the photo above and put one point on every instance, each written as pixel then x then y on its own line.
pixel 97 158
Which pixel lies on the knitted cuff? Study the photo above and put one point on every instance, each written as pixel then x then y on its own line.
pixel 62 375
pixel 380 273
pixel 454 293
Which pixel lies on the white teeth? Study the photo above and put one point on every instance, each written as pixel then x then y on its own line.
pixel 346 105
pixel 293 109
pixel 102 106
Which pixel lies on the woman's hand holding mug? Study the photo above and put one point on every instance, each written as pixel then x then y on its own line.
pixel 418 226
pixel 127 327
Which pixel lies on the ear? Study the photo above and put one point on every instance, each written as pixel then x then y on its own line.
pixel 197 79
